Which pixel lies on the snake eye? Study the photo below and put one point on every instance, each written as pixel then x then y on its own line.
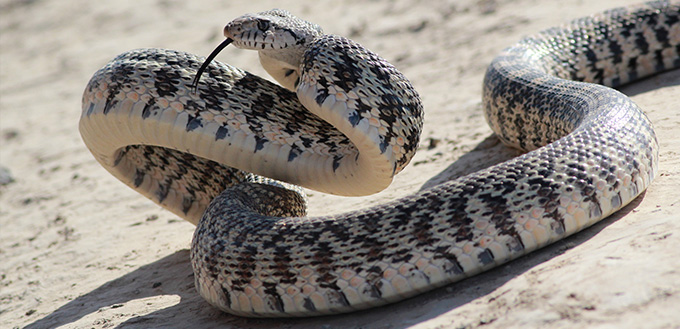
pixel 263 25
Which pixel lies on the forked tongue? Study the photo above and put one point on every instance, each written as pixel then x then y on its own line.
pixel 226 42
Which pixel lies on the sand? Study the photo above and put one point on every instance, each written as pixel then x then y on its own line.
pixel 78 249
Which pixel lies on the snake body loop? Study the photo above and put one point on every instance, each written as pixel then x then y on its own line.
pixel 345 123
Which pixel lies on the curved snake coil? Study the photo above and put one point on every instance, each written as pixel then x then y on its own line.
pixel 349 124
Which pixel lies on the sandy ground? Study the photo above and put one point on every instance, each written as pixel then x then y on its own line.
pixel 78 249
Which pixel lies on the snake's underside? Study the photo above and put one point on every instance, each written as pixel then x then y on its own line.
pixel 346 124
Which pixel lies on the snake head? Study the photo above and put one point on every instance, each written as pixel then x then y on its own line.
pixel 280 38
pixel 275 29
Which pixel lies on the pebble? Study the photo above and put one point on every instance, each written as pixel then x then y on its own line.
pixel 5 176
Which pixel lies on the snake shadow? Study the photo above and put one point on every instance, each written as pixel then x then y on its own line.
pixel 487 153
pixel 172 275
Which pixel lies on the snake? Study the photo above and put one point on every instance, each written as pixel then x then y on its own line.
pixel 231 152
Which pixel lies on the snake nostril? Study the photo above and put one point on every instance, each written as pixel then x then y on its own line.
pixel 232 29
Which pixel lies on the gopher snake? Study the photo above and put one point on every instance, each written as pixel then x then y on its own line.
pixel 349 124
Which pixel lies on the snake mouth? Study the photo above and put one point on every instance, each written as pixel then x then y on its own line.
pixel 225 43
pixel 257 43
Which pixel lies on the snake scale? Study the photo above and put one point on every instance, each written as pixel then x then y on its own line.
pixel 346 121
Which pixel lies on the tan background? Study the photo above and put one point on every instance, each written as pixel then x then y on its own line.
pixel 78 249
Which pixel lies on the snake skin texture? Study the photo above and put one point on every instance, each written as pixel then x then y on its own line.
pixel 346 121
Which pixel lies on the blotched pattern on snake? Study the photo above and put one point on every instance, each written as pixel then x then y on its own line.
pixel 346 121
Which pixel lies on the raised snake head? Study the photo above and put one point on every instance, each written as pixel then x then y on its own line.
pixel 280 38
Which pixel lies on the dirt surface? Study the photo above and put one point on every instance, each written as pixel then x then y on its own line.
pixel 78 249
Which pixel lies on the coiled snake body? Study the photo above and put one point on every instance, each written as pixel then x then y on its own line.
pixel 349 124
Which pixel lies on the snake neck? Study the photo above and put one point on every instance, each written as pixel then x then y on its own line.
pixel 284 67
